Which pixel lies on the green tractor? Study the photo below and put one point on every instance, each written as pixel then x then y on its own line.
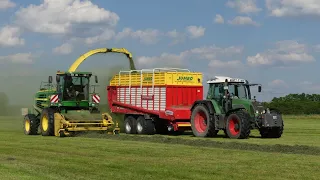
pixel 229 107
pixel 67 107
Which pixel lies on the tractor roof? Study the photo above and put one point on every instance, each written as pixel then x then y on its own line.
pixel 221 79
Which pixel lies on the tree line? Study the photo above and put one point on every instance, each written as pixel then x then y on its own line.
pixel 296 104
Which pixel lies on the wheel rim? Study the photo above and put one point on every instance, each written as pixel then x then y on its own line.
pixel 27 125
pixel 200 121
pixel 128 127
pixel 139 127
pixel 234 127
pixel 45 123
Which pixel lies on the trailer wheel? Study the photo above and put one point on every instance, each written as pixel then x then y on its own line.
pixel 238 125
pixel 31 124
pixel 130 124
pixel 145 126
pixel 202 124
pixel 47 122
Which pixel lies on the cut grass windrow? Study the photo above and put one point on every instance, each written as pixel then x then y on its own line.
pixel 197 142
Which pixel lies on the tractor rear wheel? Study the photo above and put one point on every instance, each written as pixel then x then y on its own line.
pixel 130 124
pixel 47 122
pixel 202 124
pixel 145 126
pixel 31 124
pixel 238 125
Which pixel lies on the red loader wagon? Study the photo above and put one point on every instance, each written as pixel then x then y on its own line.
pixel 155 100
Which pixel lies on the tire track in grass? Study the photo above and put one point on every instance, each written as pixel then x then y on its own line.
pixel 277 148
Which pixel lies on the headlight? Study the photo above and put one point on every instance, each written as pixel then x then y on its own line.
pixel 257 112
pixel 264 111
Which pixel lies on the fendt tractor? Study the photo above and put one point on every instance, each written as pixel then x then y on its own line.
pixel 71 105
pixel 163 100
pixel 229 107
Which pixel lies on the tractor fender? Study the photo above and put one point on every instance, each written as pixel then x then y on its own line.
pixel 235 109
pixel 238 106
pixel 207 103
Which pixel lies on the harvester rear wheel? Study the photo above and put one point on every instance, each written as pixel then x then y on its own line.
pixel 202 124
pixel 130 124
pixel 145 126
pixel 31 124
pixel 47 122
pixel 238 125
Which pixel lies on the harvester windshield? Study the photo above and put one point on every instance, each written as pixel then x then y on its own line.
pixel 74 87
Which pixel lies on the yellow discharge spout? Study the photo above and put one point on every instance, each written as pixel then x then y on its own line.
pixel 84 56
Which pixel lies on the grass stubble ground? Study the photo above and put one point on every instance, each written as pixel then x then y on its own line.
pixel 94 156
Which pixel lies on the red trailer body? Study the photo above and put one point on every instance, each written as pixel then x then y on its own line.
pixel 167 102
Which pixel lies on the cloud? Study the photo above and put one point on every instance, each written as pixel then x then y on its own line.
pixel 147 36
pixel 278 83
pixel 65 48
pixel 244 6
pixel 195 31
pixel 63 16
pixel 242 20
pixel 6 4
pixel 19 58
pixel 106 35
pixel 208 53
pixel 219 19
pixel 10 36
pixel 284 53
pixel 284 8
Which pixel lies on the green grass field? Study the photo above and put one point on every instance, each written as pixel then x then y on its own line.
pixel 91 156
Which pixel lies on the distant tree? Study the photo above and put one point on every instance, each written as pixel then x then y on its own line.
pixel 297 104
pixel 4 103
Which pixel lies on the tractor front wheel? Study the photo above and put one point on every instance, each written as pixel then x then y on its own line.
pixel 238 125
pixel 47 122
pixel 202 124
pixel 31 124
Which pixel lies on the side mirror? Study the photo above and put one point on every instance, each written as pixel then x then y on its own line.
pixel 96 79
pixel 58 78
pixel 50 79
pixel 259 88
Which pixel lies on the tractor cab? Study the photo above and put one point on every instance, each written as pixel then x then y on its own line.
pixel 231 93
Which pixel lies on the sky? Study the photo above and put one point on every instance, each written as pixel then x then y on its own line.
pixel 272 42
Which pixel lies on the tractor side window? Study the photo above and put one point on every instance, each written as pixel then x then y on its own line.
pixel 242 92
pixel 217 93
pixel 232 90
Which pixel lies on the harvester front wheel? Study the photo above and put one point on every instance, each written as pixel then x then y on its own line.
pixel 130 124
pixel 238 125
pixel 145 126
pixel 202 124
pixel 31 124
pixel 47 122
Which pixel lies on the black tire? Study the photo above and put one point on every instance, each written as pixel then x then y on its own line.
pixel 130 125
pixel 31 124
pixel 202 124
pixel 47 128
pixel 238 125
pixel 145 126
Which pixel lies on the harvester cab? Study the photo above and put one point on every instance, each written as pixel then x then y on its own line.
pixel 230 107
